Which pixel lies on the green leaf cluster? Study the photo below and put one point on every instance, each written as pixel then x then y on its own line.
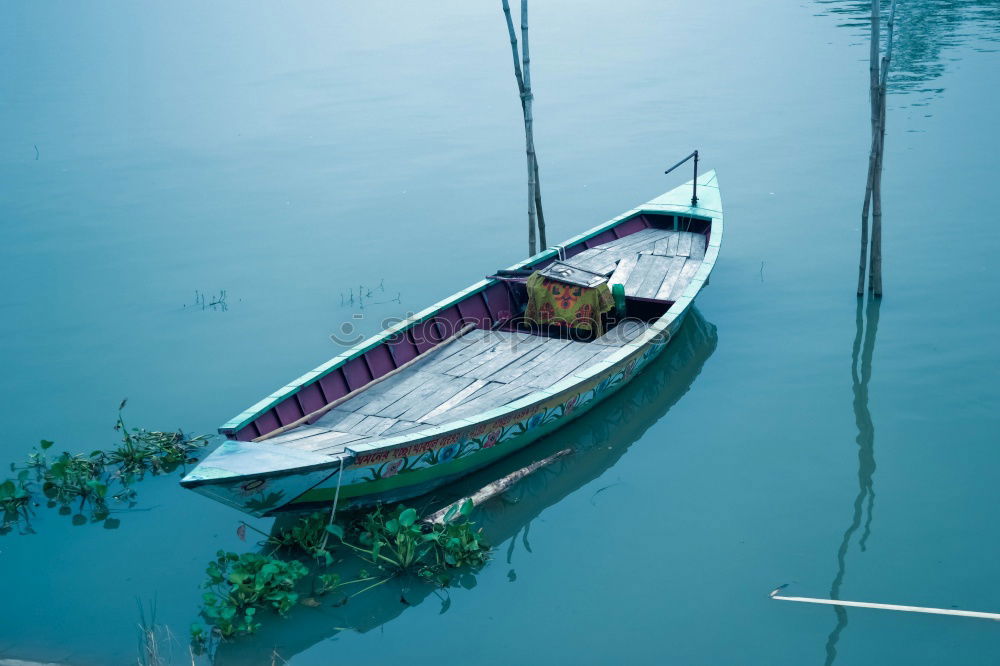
pixel 240 585
pixel 308 534
pixel 141 450
pixel 394 540
pixel 88 481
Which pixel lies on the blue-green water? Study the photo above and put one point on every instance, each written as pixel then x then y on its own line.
pixel 289 154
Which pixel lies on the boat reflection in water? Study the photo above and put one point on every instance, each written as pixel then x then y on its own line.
pixel 598 439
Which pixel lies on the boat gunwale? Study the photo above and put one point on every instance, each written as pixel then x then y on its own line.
pixel 680 306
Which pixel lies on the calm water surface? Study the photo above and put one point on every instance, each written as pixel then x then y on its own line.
pixel 289 155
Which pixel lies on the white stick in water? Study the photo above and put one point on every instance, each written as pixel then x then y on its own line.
pixel 895 607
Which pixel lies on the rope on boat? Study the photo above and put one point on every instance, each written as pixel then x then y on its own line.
pixel 336 495
pixel 336 498
pixel 895 607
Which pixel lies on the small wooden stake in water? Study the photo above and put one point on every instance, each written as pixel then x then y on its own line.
pixel 895 607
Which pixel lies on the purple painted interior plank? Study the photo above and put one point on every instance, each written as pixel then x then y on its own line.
pixel 575 249
pixel 631 225
pixel 450 321
pixel 288 410
pixel 499 301
pixel 311 398
pixel 379 360
pixel 424 335
pixel 473 310
pixel 267 422
pixel 356 373
pixel 601 238
pixel 402 349
pixel 247 433
pixel 334 386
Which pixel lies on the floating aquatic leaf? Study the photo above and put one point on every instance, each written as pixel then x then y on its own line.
pixel 408 517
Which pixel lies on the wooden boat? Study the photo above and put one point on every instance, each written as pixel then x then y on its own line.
pixel 598 440
pixel 459 385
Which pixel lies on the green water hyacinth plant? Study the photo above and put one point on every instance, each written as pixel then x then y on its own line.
pixel 308 535
pixel 241 585
pixel 15 497
pixel 396 542
pixel 144 450
pixel 78 482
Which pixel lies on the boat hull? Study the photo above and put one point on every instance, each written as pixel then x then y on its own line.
pixel 260 476
pixel 384 477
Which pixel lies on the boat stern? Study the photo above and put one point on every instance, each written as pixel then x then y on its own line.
pixel 258 478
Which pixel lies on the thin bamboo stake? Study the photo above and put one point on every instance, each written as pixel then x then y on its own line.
pixel 327 407
pixel 540 217
pixel 874 102
pixel 529 138
pixel 876 258
pixel 528 128
pixel 895 607
pixel 863 263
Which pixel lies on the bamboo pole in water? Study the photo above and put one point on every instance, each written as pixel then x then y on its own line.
pixel 879 72
pixel 520 91
pixel 529 125
pixel 876 257
pixel 524 91
pixel 873 97
pixel 895 607
pixel 498 487
pixel 529 138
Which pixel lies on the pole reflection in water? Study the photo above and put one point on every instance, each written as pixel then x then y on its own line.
pixel 866 321
pixel 598 439
pixel 926 30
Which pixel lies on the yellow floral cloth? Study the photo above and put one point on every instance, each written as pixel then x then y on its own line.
pixel 553 302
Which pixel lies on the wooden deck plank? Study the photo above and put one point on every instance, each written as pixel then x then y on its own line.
pixel 624 332
pixel 341 418
pixel 595 261
pixel 484 399
pixel 690 268
pixel 624 269
pixel 698 247
pixel 455 400
pixel 547 374
pixel 425 398
pixel 402 427
pixel 299 433
pixel 648 246
pixel 540 366
pixel 684 244
pixel 673 272
pixel 373 426
pixel 332 440
pixel 549 348
pixel 500 353
pixel 672 243
pixel 654 276
pixel 496 398
pixel 666 246
pixel 638 275
pixel 636 241
pixel 467 348
pixel 625 240
pixel 474 350
pixel 372 401
pixel 505 356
